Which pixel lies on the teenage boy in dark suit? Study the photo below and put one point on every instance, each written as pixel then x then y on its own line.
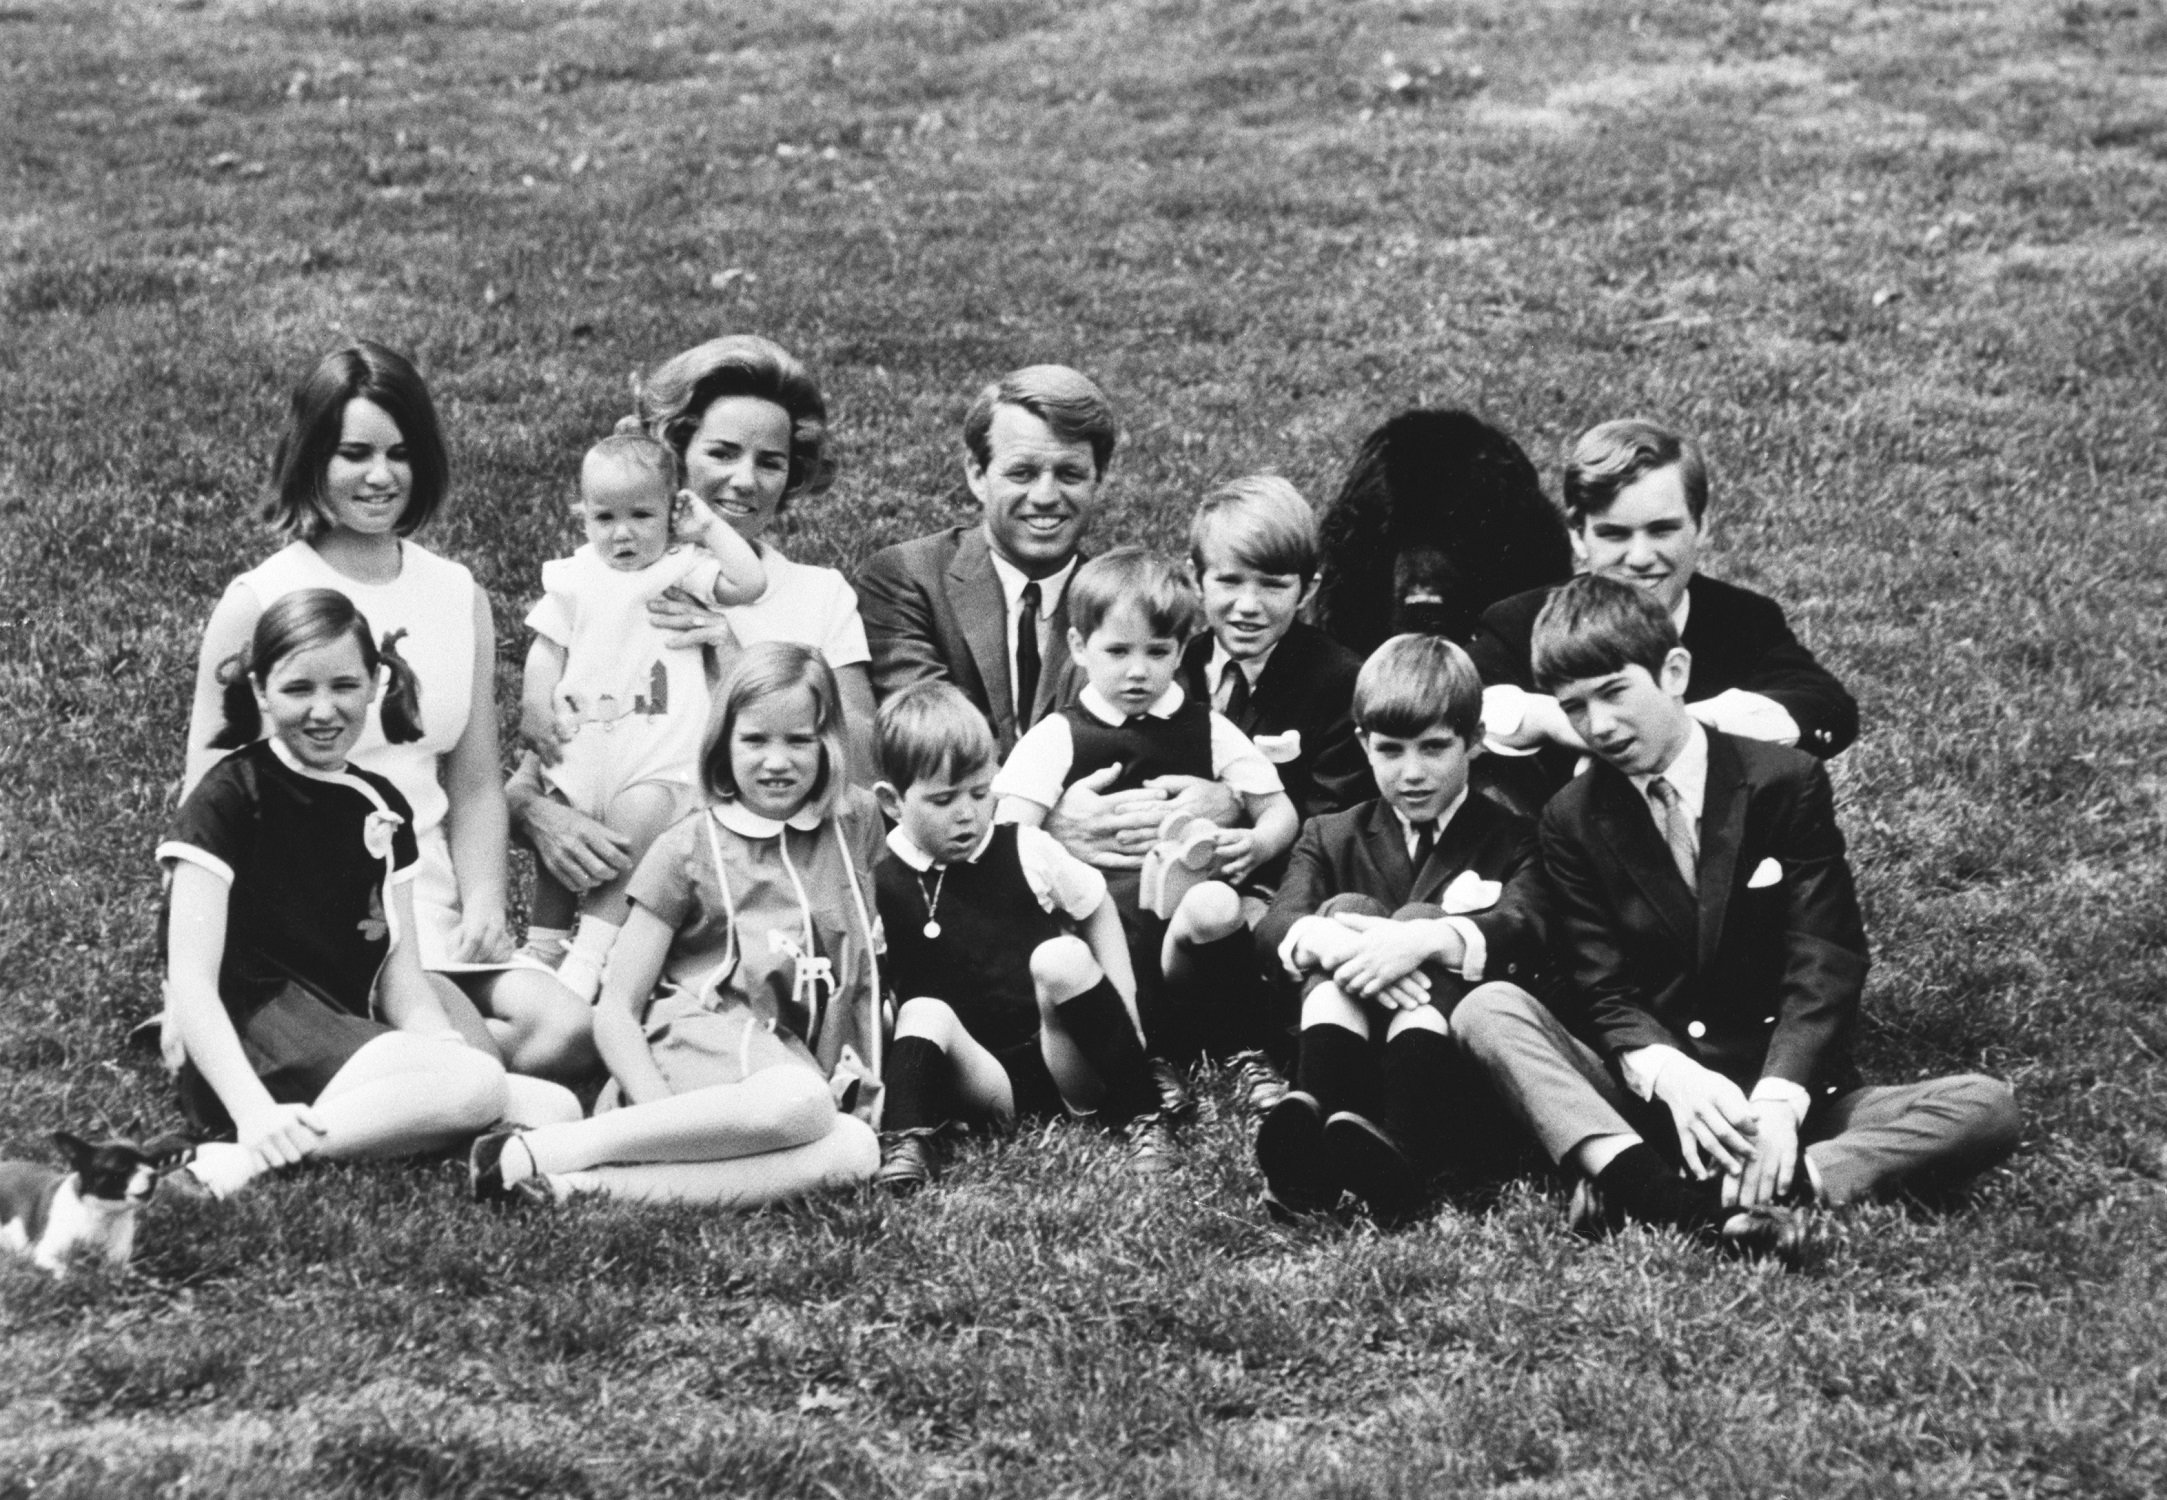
pixel 1705 913
pixel 1636 500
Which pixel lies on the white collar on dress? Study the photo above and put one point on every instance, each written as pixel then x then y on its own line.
pixel 1164 706
pixel 740 819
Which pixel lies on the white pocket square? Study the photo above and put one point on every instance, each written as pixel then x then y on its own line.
pixel 1280 749
pixel 1768 872
pixel 1469 892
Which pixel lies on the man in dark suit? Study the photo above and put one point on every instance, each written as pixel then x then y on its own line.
pixel 1636 499
pixel 1706 916
pixel 986 606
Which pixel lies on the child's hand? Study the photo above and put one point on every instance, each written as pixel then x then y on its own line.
pixel 281 1134
pixel 1388 953
pixel 691 518
pixel 1236 854
pixel 543 733
pixel 484 937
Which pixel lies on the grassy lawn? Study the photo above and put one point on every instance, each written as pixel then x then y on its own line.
pixel 1900 265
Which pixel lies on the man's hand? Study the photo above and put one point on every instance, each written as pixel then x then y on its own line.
pixel 689 621
pixel 541 731
pixel 573 847
pixel 1769 1174
pixel 1711 1114
pixel 281 1135
pixel 1213 801
pixel 1387 959
pixel 1109 831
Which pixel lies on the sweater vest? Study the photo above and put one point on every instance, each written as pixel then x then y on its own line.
pixel 1144 747
pixel 990 923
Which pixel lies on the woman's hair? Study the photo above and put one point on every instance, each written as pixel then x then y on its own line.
pixel 1260 521
pixel 302 621
pixel 670 401
pixel 930 729
pixel 1414 681
pixel 764 670
pixel 1131 578
pixel 360 372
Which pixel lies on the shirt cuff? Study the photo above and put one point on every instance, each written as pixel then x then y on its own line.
pixel 1643 1067
pixel 1477 955
pixel 1783 1091
pixel 1751 716
pixel 1504 710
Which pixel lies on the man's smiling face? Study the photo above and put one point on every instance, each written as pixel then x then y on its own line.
pixel 1038 490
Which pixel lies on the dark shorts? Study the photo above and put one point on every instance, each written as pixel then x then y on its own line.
pixel 297 1042
pixel 1030 1084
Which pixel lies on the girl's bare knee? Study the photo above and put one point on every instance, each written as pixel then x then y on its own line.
pixel 474 1088
pixel 1063 968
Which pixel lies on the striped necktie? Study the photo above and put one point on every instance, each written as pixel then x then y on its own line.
pixel 1677 830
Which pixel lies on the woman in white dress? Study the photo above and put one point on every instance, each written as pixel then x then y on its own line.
pixel 750 425
pixel 360 469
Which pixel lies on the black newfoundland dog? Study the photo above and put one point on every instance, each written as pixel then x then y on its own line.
pixel 1440 517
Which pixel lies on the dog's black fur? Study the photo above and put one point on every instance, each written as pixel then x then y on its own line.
pixel 1440 517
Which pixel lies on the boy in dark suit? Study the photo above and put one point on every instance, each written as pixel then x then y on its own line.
pixel 1636 499
pixel 1388 913
pixel 1706 912
pixel 1283 682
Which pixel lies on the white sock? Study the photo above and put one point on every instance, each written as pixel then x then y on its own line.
pixel 548 943
pixel 225 1168
pixel 581 971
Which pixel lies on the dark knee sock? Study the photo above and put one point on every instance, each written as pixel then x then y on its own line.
pixel 1336 1069
pixel 1222 993
pixel 919 1086
pixel 1421 1082
pixel 1646 1187
pixel 1098 1023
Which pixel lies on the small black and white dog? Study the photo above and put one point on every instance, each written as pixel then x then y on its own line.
pixel 1440 517
pixel 53 1216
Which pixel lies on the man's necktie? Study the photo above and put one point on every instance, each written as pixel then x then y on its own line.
pixel 1677 830
pixel 1425 843
pixel 1027 657
pixel 1236 694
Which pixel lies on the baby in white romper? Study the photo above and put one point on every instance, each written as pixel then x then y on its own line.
pixel 615 714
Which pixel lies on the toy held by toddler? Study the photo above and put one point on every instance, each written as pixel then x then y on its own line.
pixel 1005 951
pixel 614 715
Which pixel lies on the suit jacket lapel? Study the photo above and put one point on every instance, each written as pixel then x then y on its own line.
pixel 1722 825
pixel 974 590
pixel 1387 847
pixel 1629 829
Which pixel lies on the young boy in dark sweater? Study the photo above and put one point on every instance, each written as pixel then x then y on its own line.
pixel 1004 951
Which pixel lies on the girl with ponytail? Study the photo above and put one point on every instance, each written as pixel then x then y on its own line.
pixel 306 1024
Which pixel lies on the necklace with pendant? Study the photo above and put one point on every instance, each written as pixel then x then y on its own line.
pixel 932 928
